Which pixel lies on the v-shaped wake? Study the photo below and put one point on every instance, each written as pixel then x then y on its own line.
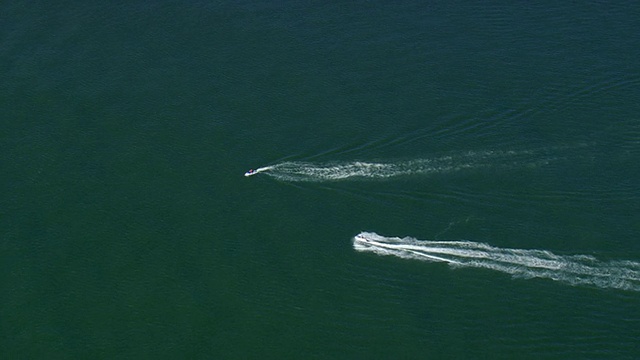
pixel 364 170
pixel 573 269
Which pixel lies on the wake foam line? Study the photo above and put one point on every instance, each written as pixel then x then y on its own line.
pixel 573 269
pixel 359 170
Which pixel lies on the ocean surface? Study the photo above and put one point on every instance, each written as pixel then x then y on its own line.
pixel 448 179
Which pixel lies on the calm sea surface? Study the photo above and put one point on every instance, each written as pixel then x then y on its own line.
pixel 127 228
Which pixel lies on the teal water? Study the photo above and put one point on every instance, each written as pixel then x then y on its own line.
pixel 129 230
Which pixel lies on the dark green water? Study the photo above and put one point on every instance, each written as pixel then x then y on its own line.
pixel 128 230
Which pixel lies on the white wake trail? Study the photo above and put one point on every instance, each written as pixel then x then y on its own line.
pixel 362 170
pixel 573 269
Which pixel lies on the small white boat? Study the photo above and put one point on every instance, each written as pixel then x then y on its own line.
pixel 258 170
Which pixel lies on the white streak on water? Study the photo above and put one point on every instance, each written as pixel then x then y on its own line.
pixel 572 269
pixel 362 170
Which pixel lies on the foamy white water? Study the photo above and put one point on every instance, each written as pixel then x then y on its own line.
pixel 363 170
pixel 571 269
